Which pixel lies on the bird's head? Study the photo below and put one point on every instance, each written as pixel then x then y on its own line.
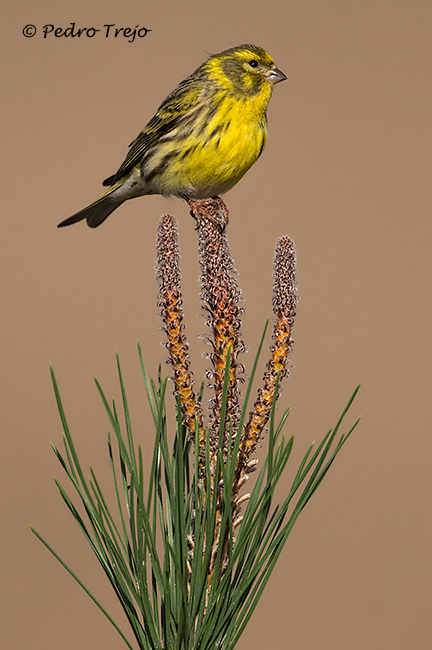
pixel 247 69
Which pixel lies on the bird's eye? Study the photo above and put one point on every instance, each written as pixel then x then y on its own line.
pixel 253 63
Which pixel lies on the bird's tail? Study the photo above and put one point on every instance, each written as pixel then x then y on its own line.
pixel 96 212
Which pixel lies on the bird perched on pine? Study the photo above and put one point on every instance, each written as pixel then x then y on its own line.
pixel 204 137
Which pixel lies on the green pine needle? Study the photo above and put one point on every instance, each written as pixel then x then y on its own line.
pixel 153 541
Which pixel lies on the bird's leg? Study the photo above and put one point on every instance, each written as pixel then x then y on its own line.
pixel 213 209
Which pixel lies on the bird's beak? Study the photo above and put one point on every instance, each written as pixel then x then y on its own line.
pixel 275 75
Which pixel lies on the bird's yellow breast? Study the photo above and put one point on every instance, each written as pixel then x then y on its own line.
pixel 227 137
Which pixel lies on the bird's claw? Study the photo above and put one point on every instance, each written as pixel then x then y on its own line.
pixel 213 209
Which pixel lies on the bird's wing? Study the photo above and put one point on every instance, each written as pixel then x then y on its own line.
pixel 168 116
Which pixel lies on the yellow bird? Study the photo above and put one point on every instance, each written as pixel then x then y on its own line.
pixel 204 137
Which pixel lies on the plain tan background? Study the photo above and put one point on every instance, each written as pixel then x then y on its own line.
pixel 346 173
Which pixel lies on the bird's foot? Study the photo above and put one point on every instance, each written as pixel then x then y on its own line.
pixel 213 209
